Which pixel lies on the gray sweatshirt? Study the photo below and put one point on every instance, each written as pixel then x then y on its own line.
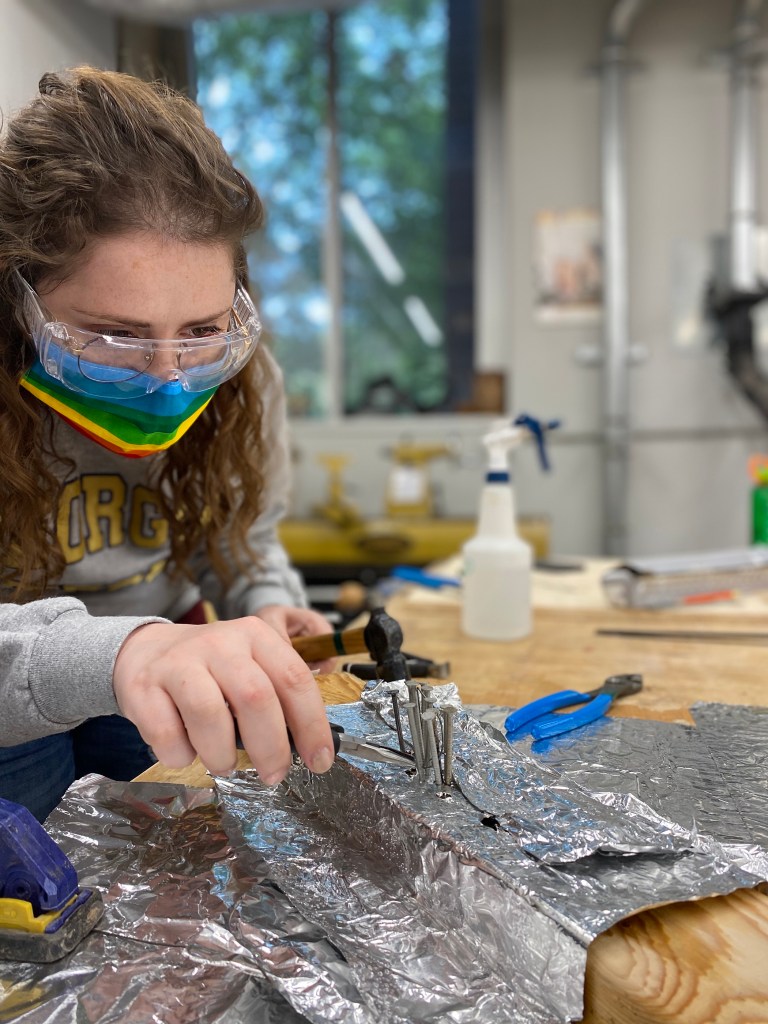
pixel 57 654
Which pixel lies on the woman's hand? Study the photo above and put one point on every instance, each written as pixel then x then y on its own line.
pixel 182 686
pixel 291 622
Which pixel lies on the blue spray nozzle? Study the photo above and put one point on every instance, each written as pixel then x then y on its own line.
pixel 539 429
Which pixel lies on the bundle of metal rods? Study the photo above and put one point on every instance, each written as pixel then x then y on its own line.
pixel 431 732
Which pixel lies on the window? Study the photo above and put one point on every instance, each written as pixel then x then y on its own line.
pixel 356 126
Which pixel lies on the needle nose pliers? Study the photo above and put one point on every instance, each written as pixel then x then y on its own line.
pixel 356 746
pixel 538 718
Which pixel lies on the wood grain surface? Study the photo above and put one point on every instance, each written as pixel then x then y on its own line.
pixel 692 963
pixel 689 963
pixel 564 652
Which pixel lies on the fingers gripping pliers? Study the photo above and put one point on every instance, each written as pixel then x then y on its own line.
pixel 355 746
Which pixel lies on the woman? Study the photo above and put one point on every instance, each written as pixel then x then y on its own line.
pixel 139 475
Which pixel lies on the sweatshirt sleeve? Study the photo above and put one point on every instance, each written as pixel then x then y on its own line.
pixel 273 579
pixel 56 664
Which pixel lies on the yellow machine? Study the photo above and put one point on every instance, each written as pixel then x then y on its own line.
pixel 409 490
pixel 336 508
pixel 338 542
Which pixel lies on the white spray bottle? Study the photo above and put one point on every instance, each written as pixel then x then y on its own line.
pixel 496 585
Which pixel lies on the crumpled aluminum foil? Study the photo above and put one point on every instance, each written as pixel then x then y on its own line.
pixel 737 738
pixel 712 779
pixel 188 934
pixel 361 896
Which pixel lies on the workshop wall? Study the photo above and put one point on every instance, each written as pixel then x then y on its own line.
pixel 44 35
pixel 692 429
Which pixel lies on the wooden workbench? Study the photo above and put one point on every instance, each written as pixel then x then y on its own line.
pixel 690 963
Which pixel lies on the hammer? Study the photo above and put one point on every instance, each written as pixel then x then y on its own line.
pixel 418 668
pixel 381 637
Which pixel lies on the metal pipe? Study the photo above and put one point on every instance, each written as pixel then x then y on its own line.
pixel 448 714
pixel 743 95
pixel 613 73
pixel 428 718
pixel 621 17
pixel 414 725
pixel 332 240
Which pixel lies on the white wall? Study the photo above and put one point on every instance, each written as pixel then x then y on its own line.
pixel 48 35
pixel 692 429
pixel 688 482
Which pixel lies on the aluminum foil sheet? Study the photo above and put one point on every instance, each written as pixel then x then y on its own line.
pixel 530 809
pixel 737 738
pixel 424 933
pixel 361 896
pixel 711 779
pixel 189 933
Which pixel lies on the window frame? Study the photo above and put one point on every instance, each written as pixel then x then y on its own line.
pixel 483 343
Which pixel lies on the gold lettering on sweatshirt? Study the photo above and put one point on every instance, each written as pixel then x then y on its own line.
pixel 70 528
pixel 148 527
pixel 97 511
pixel 104 503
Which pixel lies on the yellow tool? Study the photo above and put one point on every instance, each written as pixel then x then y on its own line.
pixel 409 490
pixel 338 535
pixel 337 508
pixel 44 913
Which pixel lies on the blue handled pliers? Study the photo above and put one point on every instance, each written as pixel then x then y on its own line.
pixel 537 718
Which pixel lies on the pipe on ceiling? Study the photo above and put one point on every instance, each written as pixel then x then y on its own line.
pixel 743 178
pixel 614 68
pixel 733 302
pixel 179 12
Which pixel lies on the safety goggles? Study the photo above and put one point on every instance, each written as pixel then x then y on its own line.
pixel 122 368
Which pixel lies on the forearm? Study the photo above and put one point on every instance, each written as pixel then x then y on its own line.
pixel 56 665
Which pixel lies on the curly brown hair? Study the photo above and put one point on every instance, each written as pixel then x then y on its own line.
pixel 96 154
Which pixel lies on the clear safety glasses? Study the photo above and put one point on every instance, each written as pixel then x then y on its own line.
pixel 101 365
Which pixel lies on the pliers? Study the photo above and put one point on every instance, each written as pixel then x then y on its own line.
pixel 355 746
pixel 343 743
pixel 537 718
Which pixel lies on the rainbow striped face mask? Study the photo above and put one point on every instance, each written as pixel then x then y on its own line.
pixel 105 386
pixel 133 427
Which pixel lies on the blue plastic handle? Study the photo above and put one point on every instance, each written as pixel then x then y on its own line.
pixel 32 867
pixel 516 722
pixel 538 428
pixel 426 579
pixel 596 708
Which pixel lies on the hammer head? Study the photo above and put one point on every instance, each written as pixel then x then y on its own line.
pixel 383 638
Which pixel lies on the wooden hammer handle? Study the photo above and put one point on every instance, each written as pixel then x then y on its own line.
pixel 330 645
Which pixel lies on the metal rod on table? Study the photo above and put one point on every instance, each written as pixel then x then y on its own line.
pixel 703 636
pixel 448 713
pixel 414 724
pixel 428 718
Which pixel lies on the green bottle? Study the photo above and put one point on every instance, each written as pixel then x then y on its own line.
pixel 758 466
